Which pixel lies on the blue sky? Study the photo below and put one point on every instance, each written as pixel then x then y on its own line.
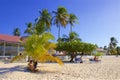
pixel 98 19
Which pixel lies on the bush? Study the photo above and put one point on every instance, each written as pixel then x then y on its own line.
pixel 98 54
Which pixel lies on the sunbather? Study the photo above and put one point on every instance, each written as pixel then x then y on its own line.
pixel 31 66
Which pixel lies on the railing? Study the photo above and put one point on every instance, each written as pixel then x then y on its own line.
pixel 7 57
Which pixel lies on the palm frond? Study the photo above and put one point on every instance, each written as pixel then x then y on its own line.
pixel 48 57
pixel 39 48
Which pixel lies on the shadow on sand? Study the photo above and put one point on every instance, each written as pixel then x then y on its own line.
pixel 42 70
pixel 13 69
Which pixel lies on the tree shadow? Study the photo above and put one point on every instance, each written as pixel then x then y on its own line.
pixel 25 69
pixel 13 69
pixel 47 72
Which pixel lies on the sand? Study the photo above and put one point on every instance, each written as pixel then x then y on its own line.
pixel 107 69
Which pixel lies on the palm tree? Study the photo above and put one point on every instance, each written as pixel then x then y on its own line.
pixel 16 32
pixel 105 48
pixel 39 48
pixel 64 38
pixel 113 42
pixel 29 29
pixel 73 36
pixel 60 18
pixel 43 22
pixel 112 45
pixel 72 20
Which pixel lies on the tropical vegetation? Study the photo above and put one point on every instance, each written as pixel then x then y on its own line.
pixel 43 22
pixel 74 47
pixel 60 18
pixel 38 45
pixel 39 48
pixel 112 46
pixel 29 29
pixel 16 32
pixel 72 20
pixel 98 54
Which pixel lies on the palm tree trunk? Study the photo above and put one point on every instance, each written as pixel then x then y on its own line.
pixel 58 32
pixel 73 55
pixel 70 29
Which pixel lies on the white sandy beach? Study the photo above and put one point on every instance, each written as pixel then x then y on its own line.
pixel 107 69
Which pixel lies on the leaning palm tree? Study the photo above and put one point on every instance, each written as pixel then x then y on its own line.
pixel 72 20
pixel 43 22
pixel 60 18
pixel 16 32
pixel 39 48
pixel 29 29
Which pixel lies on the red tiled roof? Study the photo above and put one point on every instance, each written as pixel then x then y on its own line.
pixel 8 38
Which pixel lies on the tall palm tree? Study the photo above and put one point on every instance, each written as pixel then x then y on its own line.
pixel 43 22
pixel 29 29
pixel 72 20
pixel 60 18
pixel 16 32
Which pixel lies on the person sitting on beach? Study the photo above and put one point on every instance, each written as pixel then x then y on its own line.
pixel 31 66
pixel 78 59
pixel 35 65
pixel 81 61
pixel 95 58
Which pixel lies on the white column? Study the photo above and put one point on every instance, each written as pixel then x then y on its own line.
pixel 18 48
pixel 4 46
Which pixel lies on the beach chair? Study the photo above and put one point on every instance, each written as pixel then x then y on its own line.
pixel 78 60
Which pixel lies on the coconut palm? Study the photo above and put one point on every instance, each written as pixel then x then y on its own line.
pixel 112 45
pixel 64 38
pixel 72 20
pixel 73 36
pixel 43 22
pixel 105 48
pixel 60 18
pixel 29 29
pixel 39 48
pixel 113 42
pixel 16 32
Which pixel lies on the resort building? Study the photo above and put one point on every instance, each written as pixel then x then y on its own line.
pixel 10 45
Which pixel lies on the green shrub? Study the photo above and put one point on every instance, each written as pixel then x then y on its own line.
pixel 98 54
